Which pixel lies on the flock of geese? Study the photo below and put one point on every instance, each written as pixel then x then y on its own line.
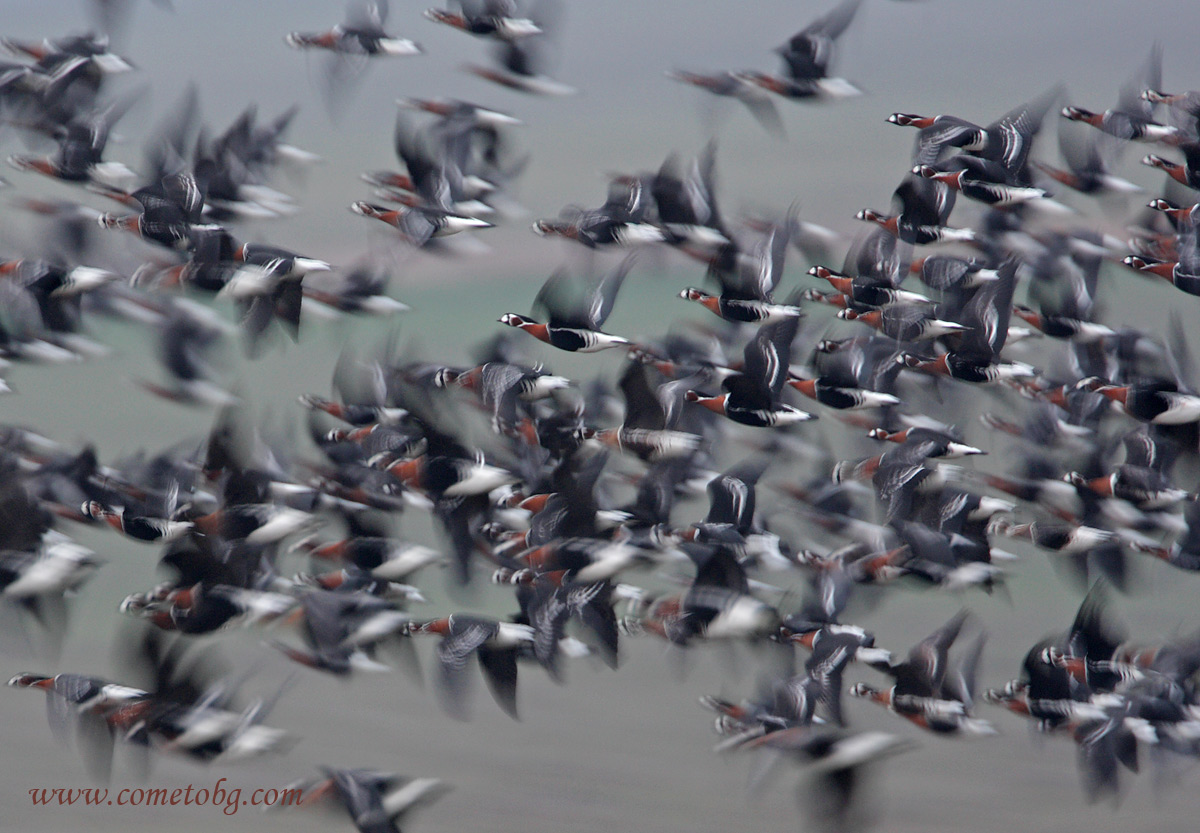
pixel 580 502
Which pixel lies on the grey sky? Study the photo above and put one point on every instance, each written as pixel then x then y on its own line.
pixel 972 57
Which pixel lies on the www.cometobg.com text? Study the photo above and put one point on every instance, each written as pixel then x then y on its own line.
pixel 229 800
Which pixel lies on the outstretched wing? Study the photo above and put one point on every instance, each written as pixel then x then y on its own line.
pixel 366 15
pixel 808 54
pixel 604 294
pixel 767 357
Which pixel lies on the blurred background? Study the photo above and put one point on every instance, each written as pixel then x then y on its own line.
pixel 626 750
